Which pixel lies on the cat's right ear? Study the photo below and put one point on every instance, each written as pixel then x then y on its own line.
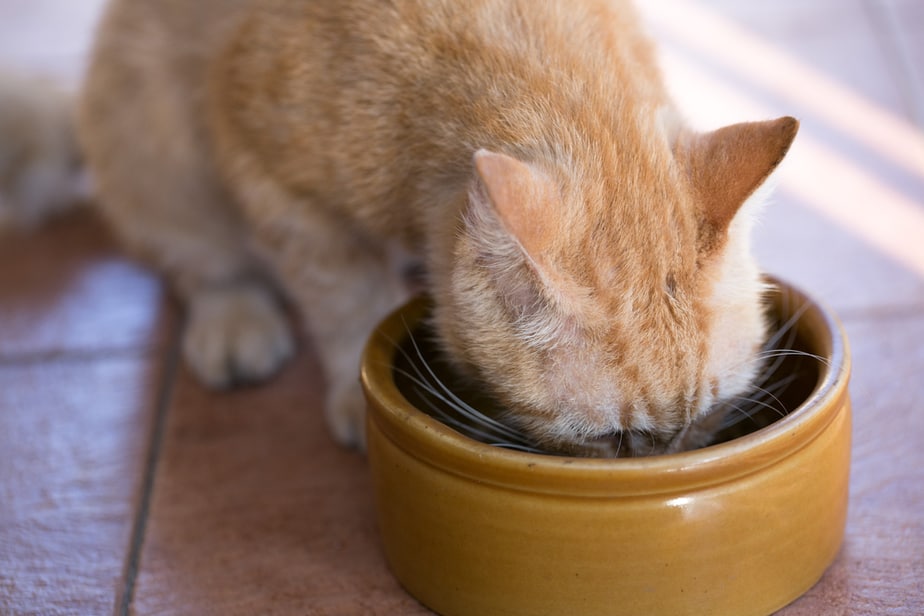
pixel 725 167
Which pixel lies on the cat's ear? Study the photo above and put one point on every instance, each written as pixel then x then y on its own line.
pixel 727 166
pixel 523 199
pixel 516 220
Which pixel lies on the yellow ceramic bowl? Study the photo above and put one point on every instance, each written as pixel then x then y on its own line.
pixel 739 528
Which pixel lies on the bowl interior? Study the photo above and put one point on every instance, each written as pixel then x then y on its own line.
pixel 797 353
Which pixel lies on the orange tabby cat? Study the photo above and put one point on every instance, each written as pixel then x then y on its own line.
pixel 587 254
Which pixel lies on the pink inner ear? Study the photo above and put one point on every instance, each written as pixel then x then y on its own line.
pixel 528 206
pixel 726 166
pixel 522 199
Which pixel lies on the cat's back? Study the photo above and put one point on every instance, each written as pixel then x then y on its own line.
pixel 392 91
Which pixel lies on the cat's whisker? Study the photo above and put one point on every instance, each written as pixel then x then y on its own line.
pixel 770 402
pixel 458 402
pixel 619 443
pixel 789 325
pixel 489 431
pixel 775 353
pixel 733 419
pixel 439 412
pixel 471 421
pixel 776 343
pixel 771 391
pixel 420 380
pixel 780 356
pixel 772 396
pixel 779 386
pixel 741 415
pixel 755 402
pixel 423 390
pixel 465 428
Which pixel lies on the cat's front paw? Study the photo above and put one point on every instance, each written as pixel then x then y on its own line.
pixel 345 410
pixel 236 334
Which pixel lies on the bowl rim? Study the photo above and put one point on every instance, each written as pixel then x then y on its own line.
pixel 429 440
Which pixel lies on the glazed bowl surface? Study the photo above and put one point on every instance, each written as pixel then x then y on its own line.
pixel 742 527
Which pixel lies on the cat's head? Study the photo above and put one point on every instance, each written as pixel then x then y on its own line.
pixel 615 310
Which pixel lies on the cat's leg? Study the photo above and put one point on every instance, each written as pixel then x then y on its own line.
pixel 164 200
pixel 344 282
pixel 236 329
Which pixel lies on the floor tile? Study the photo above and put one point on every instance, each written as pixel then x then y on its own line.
pixel 74 438
pixel 255 510
pixel 795 242
pixel 881 567
pixel 68 288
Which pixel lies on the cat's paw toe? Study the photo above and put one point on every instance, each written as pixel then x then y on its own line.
pixel 346 415
pixel 235 335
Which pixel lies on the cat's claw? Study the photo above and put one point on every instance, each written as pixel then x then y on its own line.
pixel 236 334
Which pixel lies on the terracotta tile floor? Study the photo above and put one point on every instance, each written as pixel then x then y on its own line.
pixel 127 488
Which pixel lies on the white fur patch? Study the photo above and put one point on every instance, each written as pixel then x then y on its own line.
pixel 738 326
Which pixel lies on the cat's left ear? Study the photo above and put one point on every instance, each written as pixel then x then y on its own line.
pixel 727 166
pixel 523 199
pixel 518 206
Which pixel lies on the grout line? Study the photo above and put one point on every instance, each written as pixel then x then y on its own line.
pixel 126 593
